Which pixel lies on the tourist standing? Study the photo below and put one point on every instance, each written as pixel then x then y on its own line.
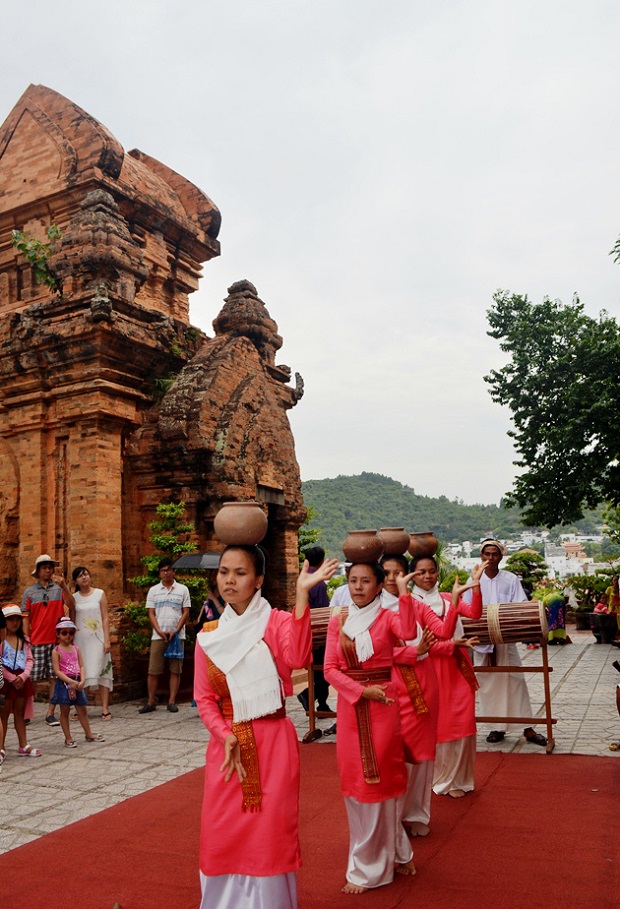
pixel 249 843
pixel 93 636
pixel 44 603
pixel 17 661
pixel 318 599
pixel 70 677
pixel 168 604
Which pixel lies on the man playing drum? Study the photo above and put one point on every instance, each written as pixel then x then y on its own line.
pixel 501 693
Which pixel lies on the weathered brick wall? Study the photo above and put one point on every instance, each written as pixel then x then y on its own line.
pixel 88 449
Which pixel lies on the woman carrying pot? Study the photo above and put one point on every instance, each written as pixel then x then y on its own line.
pixel 249 844
pixel 359 661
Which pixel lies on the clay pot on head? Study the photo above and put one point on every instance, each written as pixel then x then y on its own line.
pixel 423 545
pixel 240 523
pixel 362 546
pixel 395 540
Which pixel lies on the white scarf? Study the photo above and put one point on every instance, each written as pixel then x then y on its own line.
pixel 439 606
pixel 357 627
pixel 238 650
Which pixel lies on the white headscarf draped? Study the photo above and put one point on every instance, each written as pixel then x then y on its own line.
pixel 237 648
pixel 357 627
pixel 439 606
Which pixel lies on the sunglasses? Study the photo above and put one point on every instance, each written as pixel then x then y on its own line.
pixel 68 631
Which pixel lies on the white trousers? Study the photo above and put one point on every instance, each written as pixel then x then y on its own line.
pixel 454 765
pixel 417 804
pixel 240 891
pixel 503 693
pixel 377 841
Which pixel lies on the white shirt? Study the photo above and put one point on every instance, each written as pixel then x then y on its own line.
pixel 169 603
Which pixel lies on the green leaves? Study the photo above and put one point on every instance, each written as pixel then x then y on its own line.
pixel 561 384
pixel 37 254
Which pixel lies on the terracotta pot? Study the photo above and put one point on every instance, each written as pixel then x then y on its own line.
pixel 363 546
pixel 423 544
pixel 395 540
pixel 241 523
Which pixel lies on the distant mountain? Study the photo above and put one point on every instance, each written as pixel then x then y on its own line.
pixel 372 500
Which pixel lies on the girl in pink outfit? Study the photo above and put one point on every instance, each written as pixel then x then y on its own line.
pixel 249 843
pixel 18 691
pixel 68 667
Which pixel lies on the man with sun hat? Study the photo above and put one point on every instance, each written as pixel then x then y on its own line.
pixel 43 605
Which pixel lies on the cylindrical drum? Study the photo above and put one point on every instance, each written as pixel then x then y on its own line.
pixel 319 620
pixel 507 623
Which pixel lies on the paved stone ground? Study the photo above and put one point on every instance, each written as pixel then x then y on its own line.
pixel 39 795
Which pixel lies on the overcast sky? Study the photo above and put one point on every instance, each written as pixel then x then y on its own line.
pixel 382 168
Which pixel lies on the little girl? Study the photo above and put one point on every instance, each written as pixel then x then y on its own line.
pixel 17 662
pixel 69 671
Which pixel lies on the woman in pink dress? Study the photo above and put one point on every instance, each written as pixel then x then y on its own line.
pixel 416 680
pixel 249 844
pixel 453 772
pixel 359 659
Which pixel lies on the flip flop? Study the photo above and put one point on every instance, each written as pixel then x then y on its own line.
pixel 94 738
pixel 106 717
pixel 2 755
pixel 615 746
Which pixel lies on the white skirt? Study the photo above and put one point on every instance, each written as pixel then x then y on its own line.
pixel 454 765
pixel 240 891
pixel 377 841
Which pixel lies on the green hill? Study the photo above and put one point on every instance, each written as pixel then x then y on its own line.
pixel 372 500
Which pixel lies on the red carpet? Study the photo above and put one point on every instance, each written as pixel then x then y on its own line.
pixel 540 832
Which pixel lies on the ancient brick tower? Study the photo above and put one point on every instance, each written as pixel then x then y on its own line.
pixel 88 444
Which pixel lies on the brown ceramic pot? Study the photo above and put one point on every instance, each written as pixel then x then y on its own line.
pixel 240 523
pixel 423 544
pixel 395 540
pixel 362 546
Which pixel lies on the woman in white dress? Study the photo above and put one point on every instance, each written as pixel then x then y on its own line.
pixel 93 636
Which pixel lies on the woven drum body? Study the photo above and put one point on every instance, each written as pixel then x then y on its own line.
pixel 509 623
pixel 319 620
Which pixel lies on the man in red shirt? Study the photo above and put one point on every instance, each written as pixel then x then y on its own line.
pixel 43 604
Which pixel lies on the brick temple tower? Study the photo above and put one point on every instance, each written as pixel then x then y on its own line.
pixel 89 442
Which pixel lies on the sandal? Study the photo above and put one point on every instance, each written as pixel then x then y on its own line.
pixel 106 717
pixel 536 739
pixel 70 744
pixel 496 736
pixel 29 751
pixel 615 746
pixel 2 755
pixel 94 738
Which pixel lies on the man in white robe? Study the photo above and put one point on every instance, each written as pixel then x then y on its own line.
pixel 501 693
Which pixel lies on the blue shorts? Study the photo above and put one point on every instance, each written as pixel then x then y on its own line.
pixel 61 696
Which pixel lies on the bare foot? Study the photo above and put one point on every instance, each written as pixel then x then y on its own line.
pixel 406 868
pixel 353 888
pixel 456 793
pixel 417 829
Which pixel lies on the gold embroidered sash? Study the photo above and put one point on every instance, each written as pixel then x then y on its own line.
pixel 244 733
pixel 414 689
pixel 370 766
pixel 466 669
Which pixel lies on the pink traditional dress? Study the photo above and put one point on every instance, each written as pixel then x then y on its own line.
pixel 370 751
pixel 418 694
pixel 249 843
pixel 456 720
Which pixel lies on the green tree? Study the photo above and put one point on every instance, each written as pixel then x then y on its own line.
pixel 529 566
pixel 561 384
pixel 308 536
pixel 37 253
